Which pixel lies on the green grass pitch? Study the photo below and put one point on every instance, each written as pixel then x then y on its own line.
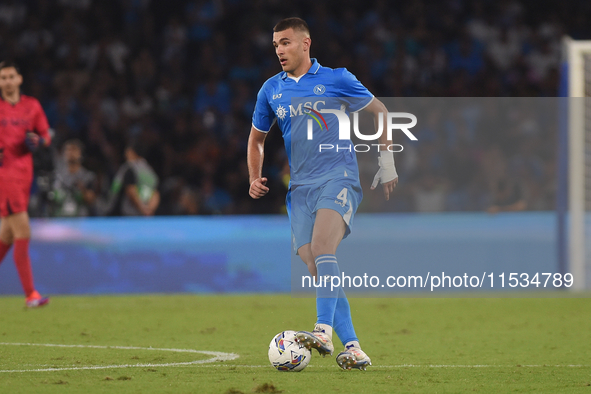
pixel 418 345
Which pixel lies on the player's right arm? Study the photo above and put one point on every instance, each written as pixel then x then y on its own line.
pixel 255 156
pixel 262 120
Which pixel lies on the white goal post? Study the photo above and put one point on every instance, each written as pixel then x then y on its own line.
pixel 577 70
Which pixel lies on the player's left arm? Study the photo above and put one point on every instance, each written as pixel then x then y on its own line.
pixel 42 126
pixel 351 87
pixel 387 174
pixel 41 136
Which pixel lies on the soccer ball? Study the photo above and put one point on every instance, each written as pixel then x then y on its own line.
pixel 285 354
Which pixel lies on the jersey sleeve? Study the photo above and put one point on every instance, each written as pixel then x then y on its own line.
pixel 354 94
pixel 263 116
pixel 41 125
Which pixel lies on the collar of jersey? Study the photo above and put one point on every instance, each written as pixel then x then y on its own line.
pixel 313 69
pixel 8 102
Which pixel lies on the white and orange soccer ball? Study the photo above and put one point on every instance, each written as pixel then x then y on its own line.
pixel 285 354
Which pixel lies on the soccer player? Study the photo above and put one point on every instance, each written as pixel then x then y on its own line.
pixel 19 116
pixel 324 190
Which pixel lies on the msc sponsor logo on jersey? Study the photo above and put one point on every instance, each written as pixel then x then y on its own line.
pixel 301 108
pixel 281 112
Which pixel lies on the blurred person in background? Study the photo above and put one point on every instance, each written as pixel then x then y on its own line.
pixel 134 191
pixel 73 192
pixel 507 197
pixel 19 115
pixel 430 193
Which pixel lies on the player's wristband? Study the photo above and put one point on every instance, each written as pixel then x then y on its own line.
pixel 387 166
pixel 387 171
pixel 387 159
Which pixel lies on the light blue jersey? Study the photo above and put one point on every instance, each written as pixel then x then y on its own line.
pixel 288 101
pixel 327 179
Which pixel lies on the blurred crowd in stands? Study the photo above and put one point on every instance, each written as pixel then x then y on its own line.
pixel 182 78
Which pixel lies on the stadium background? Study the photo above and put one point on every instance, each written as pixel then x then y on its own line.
pixel 181 78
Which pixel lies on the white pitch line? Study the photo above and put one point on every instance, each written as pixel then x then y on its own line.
pixel 113 347
pixel 413 366
pixel 217 356
pixel 223 357
pixel 482 366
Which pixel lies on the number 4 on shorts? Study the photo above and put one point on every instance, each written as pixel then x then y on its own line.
pixel 342 197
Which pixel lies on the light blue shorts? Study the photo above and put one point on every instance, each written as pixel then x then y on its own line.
pixel 342 194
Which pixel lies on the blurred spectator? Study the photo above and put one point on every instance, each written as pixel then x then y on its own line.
pixel 503 51
pixel 466 55
pixel 429 194
pixel 508 197
pixel 13 12
pixel 73 191
pixel 135 188
pixel 216 200
pixel 185 75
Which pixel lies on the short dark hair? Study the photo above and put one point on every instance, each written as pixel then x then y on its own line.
pixel 8 64
pixel 292 23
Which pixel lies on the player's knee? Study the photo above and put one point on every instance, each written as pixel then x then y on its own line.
pixel 6 235
pixel 321 246
pixel 306 256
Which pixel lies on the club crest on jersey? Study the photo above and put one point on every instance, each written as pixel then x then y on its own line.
pixel 281 112
pixel 319 89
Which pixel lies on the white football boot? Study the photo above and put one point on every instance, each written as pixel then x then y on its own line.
pixel 353 357
pixel 316 339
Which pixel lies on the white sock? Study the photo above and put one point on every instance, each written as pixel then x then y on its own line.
pixel 325 328
pixel 352 344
